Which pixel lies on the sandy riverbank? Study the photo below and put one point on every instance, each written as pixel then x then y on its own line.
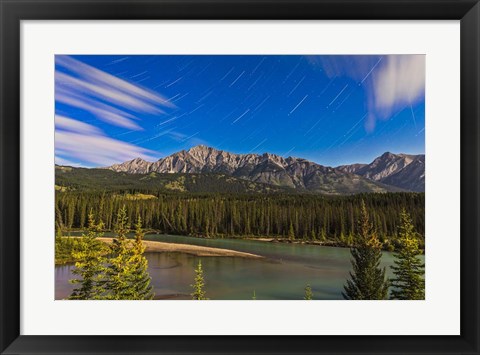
pixel 153 246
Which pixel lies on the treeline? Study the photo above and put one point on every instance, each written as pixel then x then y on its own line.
pixel 307 217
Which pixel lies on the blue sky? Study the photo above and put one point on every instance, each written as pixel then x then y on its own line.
pixel 329 109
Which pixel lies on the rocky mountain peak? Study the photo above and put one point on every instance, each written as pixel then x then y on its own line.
pixel 200 148
pixel 274 159
pixel 393 169
pixel 137 166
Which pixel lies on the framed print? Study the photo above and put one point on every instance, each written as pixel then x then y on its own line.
pixel 239 177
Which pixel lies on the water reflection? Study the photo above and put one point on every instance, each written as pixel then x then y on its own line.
pixel 282 275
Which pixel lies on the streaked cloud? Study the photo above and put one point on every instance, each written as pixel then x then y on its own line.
pixel 107 80
pixel 102 111
pixel 62 161
pixel 86 89
pixel 69 124
pixel 80 141
pixel 109 98
pixel 398 83
pixel 391 82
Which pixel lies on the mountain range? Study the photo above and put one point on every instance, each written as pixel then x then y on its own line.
pixel 389 172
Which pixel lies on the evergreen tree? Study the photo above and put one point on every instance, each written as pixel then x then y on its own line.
pixel 142 289
pixel 88 254
pixel 308 293
pixel 367 281
pixel 291 232
pixel 323 235
pixel 198 287
pixel 408 282
pixel 120 271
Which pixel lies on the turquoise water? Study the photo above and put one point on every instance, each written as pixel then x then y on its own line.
pixel 281 275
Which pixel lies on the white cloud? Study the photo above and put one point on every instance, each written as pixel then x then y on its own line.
pixel 399 82
pixel 110 99
pixel 72 125
pixel 103 112
pixel 84 88
pixel 111 82
pixel 80 141
pixel 391 82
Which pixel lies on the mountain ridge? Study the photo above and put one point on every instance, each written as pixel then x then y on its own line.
pixel 406 171
pixel 266 168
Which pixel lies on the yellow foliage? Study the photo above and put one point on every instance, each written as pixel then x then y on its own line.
pixel 177 185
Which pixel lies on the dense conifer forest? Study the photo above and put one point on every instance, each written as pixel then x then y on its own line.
pixel 281 215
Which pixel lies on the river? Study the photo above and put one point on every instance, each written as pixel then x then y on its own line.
pixel 281 275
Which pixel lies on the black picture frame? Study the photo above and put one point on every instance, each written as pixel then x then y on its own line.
pixel 14 11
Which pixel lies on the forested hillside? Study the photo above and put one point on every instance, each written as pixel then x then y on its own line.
pixel 81 179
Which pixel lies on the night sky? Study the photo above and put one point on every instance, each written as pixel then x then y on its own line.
pixel 329 109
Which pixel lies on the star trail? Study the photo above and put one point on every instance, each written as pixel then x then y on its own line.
pixel 329 109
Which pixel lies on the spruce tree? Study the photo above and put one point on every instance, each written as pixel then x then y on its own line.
pixel 120 271
pixel 308 293
pixel 198 286
pixel 142 289
pixel 367 281
pixel 408 282
pixel 89 265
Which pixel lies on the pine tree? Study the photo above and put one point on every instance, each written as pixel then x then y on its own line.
pixel 142 289
pixel 308 293
pixel 89 265
pixel 120 271
pixel 198 287
pixel 408 282
pixel 367 281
